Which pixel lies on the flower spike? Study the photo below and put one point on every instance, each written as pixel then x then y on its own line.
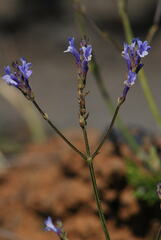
pixel 133 54
pixel 82 57
pixel 19 78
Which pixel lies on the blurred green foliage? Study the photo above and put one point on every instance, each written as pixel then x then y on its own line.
pixel 144 180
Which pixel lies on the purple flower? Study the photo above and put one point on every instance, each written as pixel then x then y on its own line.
pixel 131 79
pixel 143 48
pixel 71 48
pixel 10 78
pixel 49 226
pixel 83 56
pixel 87 52
pixel 19 77
pixel 133 54
pixel 25 68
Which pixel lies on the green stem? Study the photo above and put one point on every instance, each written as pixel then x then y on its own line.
pixel 151 33
pixel 45 116
pixel 119 123
pixel 86 141
pixel 121 101
pixel 81 17
pixel 99 207
pixel 156 23
pixel 143 80
pixel 122 8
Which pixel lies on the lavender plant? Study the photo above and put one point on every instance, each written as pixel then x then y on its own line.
pixel 122 9
pixel 137 178
pixel 19 78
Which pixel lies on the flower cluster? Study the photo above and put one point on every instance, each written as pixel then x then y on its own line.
pixel 82 57
pixel 133 53
pixel 57 228
pixel 19 77
pixel 49 226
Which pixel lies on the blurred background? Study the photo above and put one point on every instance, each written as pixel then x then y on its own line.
pixel 38 30
pixel 41 180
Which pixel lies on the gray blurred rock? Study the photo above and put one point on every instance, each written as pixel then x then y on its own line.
pixel 9 9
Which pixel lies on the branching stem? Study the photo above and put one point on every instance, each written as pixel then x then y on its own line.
pixel 109 129
pixel 45 116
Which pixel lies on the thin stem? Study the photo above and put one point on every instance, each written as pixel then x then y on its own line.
pixel 151 33
pixel 119 123
pixel 156 21
pixel 109 129
pixel 45 116
pixel 81 15
pixel 95 189
pixel 143 80
pixel 122 8
pixel 86 141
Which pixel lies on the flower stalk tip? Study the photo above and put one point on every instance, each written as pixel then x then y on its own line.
pixel 19 77
pixel 133 54
pixel 56 228
pixel 82 56
pixel 49 226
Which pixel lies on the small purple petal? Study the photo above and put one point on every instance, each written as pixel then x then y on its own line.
pixel 135 40
pixel 143 48
pixel 82 56
pixel 24 68
pixel 10 78
pixel 23 60
pixel 126 55
pixel 50 226
pixel 125 52
pixel 71 48
pixel 7 78
pixel 7 70
pixel 19 78
pixel 132 54
pixel 87 52
pixel 131 79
